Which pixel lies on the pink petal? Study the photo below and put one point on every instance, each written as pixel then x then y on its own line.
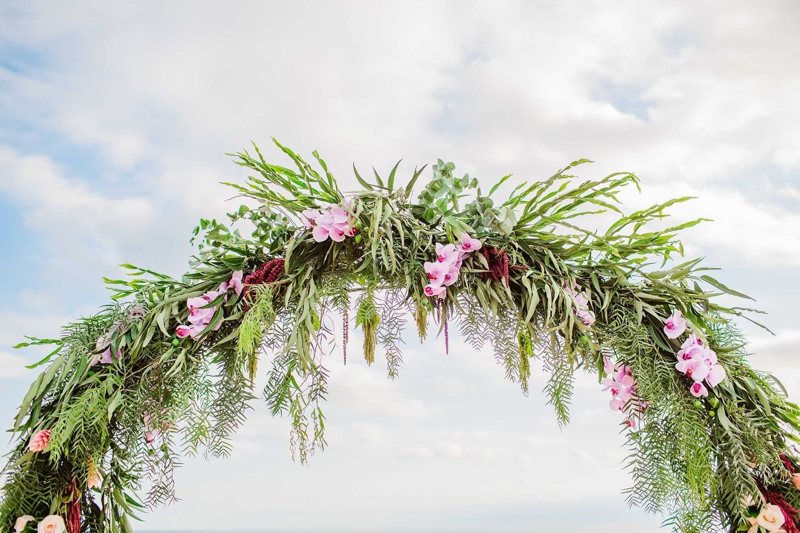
pixel 320 233
pixel 698 390
pixel 716 375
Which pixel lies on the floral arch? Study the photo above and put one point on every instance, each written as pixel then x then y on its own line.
pixel 169 365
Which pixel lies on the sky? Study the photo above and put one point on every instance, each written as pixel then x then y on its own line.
pixel 115 119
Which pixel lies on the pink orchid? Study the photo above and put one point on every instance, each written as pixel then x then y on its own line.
pixel 716 375
pixel 617 403
pixel 320 233
pixel 620 383
pixel 468 244
pixel 608 365
pixel 447 253
pixel 675 325
pixel 189 331
pixel 451 276
pixel 435 290
pixel 339 215
pixel 436 272
pixel 586 317
pixel 334 223
pixel 236 283
pixel 310 217
pixel 337 232
pixel 581 302
pixel 698 390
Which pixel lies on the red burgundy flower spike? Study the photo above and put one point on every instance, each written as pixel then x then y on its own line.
pixel 269 272
pixel 498 261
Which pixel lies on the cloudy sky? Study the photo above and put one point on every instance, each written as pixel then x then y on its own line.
pixel 115 118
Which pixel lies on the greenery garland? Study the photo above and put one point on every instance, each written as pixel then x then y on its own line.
pixel 170 365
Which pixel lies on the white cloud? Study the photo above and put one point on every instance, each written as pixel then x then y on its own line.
pixel 11 366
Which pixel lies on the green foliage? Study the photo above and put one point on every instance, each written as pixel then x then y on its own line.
pixel 694 461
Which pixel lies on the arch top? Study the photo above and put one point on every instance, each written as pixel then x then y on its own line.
pixel 170 363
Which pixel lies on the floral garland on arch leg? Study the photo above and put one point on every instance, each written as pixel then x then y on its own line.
pixel 170 364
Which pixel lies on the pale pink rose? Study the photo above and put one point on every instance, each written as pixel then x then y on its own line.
pixel 39 441
pixel 771 518
pixel 716 375
pixel 52 524
pixel 21 522
pixel 675 325
pixel 467 244
pixel 698 390
pixel 435 290
pixel 447 253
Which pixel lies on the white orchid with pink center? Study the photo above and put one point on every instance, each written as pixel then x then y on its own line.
pixel 444 271
pixel 622 386
pixel 699 362
pixel 675 325
pixel 619 382
pixel 202 310
pixel 335 222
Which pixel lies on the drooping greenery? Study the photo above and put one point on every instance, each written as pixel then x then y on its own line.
pixel 699 462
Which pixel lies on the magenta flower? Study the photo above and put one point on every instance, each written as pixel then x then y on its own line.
pixel 467 244
pixel 675 325
pixel 699 362
pixel 447 253
pixel 435 290
pixel 620 383
pixel 451 276
pixel 437 272
pixel 335 223
pixel 698 390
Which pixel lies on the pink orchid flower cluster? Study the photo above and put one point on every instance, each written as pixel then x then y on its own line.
pixel 445 270
pixel 622 385
pixel 201 313
pixel 695 360
pixel 582 312
pixel 335 222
